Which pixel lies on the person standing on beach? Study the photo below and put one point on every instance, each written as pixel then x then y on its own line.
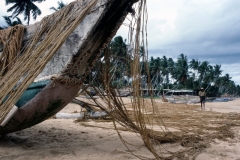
pixel 202 96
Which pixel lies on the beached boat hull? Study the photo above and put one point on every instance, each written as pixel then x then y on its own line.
pixel 56 95
pixel 31 92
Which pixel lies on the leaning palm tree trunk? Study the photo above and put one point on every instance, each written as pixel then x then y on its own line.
pixel 104 19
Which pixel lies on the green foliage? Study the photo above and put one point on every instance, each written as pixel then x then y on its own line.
pixel 25 7
pixel 180 73
pixel 61 4
pixel 164 73
pixel 11 21
pixel 192 75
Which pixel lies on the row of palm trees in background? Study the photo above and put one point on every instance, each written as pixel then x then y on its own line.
pixel 193 74
pixel 163 72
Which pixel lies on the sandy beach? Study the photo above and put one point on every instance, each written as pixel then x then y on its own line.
pixel 58 139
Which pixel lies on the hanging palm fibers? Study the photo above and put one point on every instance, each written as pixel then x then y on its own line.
pixel 144 114
pixel 10 46
pixel 37 54
pixel 107 16
pixel 44 44
pixel 138 120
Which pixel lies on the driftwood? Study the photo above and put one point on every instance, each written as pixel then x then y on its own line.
pixel 83 105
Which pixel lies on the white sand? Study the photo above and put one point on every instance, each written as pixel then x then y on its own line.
pixel 224 107
pixel 58 139
pixel 223 150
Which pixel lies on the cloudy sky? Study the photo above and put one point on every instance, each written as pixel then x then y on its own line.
pixel 207 30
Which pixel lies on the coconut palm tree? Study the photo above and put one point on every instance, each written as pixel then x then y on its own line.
pixel 217 70
pixel 223 83
pixel 209 78
pixel 11 22
pixel 171 65
pixel 165 69
pixel 61 4
pixel 194 65
pixel 180 72
pixel 203 69
pixel 155 68
pixel 119 60
pixel 25 7
pixel 142 51
pixel 119 48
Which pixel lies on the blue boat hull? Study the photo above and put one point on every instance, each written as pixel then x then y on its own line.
pixel 31 92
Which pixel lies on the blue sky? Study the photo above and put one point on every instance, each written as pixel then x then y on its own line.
pixel 207 30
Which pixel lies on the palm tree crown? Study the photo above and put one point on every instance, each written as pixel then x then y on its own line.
pixel 61 4
pixel 10 21
pixel 27 7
